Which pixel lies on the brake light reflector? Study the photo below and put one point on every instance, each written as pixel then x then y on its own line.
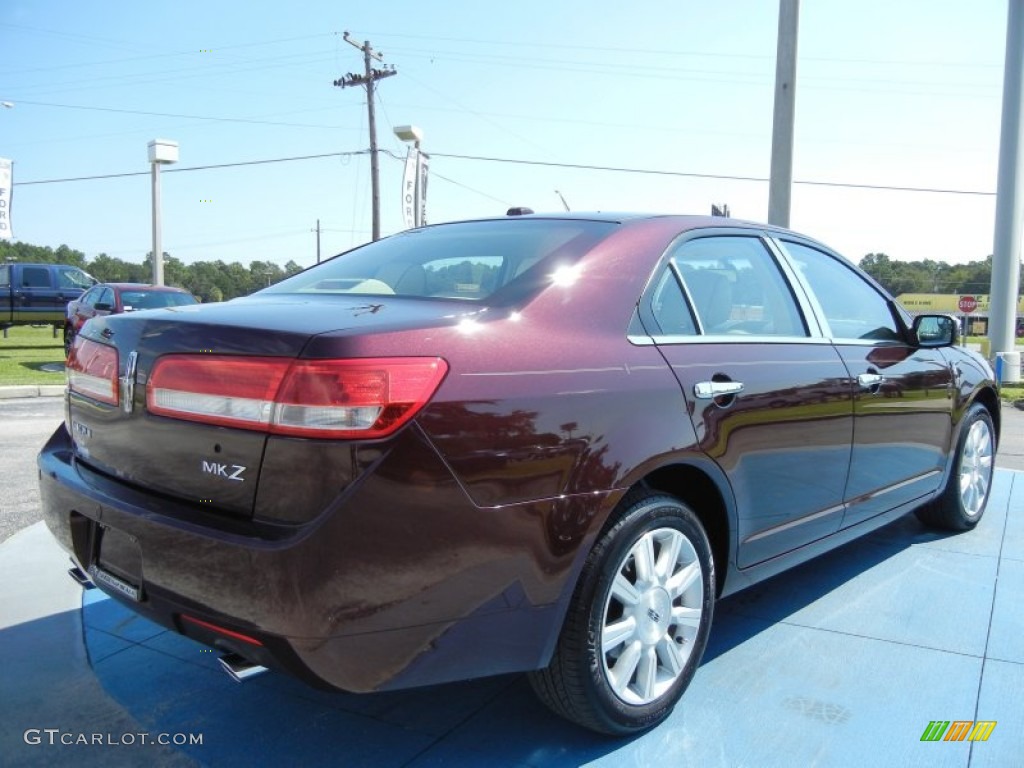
pixel 365 398
pixel 92 370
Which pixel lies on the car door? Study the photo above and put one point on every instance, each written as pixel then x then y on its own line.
pixel 6 293
pixel 903 402
pixel 71 282
pixel 770 400
pixel 35 295
pixel 84 307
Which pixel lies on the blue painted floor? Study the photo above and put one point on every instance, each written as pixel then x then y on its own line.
pixel 841 662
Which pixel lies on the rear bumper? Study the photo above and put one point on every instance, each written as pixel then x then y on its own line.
pixel 402 581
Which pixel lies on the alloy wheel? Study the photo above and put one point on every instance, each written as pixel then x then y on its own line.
pixel 651 616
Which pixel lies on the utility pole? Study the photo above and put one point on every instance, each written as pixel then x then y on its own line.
pixel 781 183
pixel 317 230
pixel 370 76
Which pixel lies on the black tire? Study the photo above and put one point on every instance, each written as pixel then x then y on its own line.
pixel 584 682
pixel 962 501
pixel 69 337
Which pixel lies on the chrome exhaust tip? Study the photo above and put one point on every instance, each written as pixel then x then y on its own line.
pixel 239 668
pixel 81 578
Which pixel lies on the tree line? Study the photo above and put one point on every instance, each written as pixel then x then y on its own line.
pixel 929 276
pixel 220 281
pixel 207 280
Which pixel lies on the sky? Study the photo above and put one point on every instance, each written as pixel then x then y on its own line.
pixel 614 106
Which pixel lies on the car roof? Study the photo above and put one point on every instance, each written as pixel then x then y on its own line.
pixel 683 221
pixel 142 287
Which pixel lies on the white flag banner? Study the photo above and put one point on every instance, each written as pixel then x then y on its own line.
pixel 424 163
pixel 409 189
pixel 6 185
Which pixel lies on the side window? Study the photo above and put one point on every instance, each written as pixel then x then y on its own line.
pixel 736 288
pixel 35 277
pixel 668 305
pixel 72 277
pixel 5 276
pixel 106 296
pixel 852 306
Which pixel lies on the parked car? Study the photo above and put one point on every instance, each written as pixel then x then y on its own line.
pixel 37 294
pixel 112 298
pixel 536 443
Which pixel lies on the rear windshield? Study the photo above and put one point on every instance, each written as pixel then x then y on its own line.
pixel 136 300
pixel 471 261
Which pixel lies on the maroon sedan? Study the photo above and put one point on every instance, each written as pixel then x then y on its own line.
pixel 537 443
pixel 111 298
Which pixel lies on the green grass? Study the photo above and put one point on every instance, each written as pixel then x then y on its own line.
pixel 1012 394
pixel 25 350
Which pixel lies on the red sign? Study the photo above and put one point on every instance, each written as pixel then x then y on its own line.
pixel 967 304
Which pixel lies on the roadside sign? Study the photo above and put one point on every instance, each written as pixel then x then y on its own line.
pixel 967 304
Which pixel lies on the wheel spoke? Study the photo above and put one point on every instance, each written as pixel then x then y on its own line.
pixel 621 674
pixel 671 656
pixel 616 634
pixel 668 557
pixel 686 617
pixel 647 674
pixel 624 591
pixel 643 559
pixel 683 579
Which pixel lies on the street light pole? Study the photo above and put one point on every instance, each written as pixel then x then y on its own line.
pixel 412 133
pixel 161 152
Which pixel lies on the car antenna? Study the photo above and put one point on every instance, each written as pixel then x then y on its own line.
pixel 560 197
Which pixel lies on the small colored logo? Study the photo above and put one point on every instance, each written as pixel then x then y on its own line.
pixel 958 730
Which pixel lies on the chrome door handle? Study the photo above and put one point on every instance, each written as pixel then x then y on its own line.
pixel 870 381
pixel 708 390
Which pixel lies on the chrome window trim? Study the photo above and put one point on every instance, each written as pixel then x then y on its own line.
pixel 675 340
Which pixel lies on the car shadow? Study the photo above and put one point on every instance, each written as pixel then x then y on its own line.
pixel 780 597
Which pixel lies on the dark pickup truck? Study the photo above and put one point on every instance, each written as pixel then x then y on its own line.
pixel 33 294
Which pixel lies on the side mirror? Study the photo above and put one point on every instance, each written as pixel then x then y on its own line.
pixel 103 306
pixel 935 331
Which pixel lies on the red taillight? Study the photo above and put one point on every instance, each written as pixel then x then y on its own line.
pixel 92 370
pixel 364 398
pixel 220 630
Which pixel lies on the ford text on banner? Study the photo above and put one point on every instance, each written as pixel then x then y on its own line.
pixel 423 165
pixel 409 189
pixel 6 172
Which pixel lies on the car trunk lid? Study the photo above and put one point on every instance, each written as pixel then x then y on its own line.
pixel 178 435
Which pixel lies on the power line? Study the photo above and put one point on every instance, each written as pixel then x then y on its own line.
pixel 195 168
pixel 542 163
pixel 604 50
pixel 171 54
pixel 176 115
pixel 436 175
pixel 725 177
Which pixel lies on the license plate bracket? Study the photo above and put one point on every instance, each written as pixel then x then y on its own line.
pixel 119 563
pixel 119 585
